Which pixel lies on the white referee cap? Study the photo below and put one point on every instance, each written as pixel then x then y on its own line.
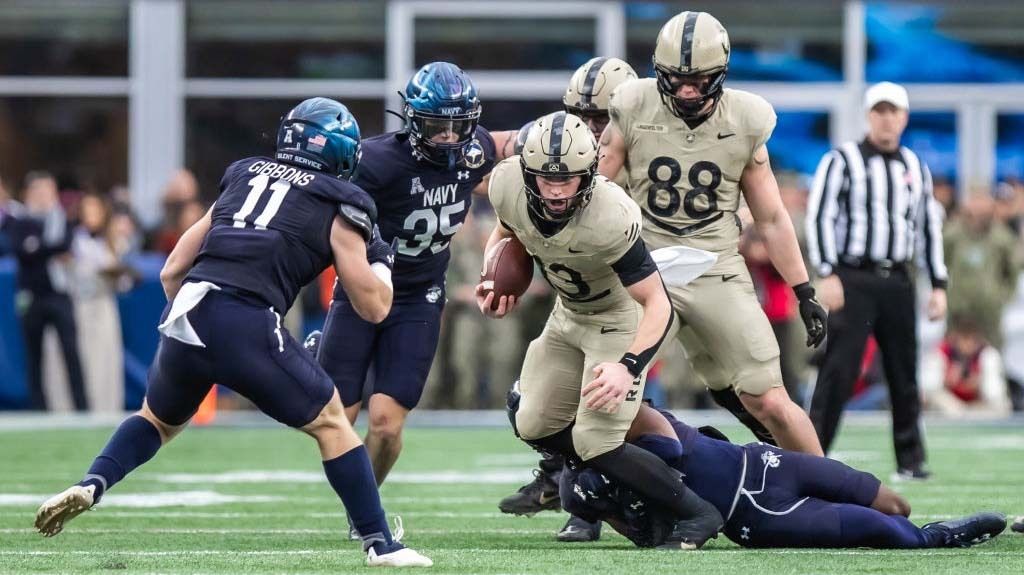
pixel 886 92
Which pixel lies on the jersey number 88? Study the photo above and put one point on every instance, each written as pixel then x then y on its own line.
pixel 689 201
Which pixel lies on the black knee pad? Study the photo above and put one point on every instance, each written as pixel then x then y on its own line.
pixel 728 399
pixel 512 406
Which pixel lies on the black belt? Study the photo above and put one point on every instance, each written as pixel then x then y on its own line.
pixel 881 268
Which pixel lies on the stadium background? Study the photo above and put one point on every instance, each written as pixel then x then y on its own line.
pixel 116 96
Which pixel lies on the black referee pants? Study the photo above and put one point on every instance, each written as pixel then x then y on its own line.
pixel 58 311
pixel 886 307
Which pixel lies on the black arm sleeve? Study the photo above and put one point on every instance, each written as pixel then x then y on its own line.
pixel 635 265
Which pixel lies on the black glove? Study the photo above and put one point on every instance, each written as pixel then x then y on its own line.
pixel 379 251
pixel 814 315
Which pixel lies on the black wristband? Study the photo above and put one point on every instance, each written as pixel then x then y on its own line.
pixel 804 291
pixel 632 363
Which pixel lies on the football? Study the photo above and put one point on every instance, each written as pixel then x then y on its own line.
pixel 508 270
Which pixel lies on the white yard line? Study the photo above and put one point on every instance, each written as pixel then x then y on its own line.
pixel 505 552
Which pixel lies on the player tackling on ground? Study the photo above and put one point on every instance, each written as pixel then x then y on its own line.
pixel 277 224
pixel 689 147
pixel 582 380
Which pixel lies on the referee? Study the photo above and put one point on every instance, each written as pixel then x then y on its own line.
pixel 871 210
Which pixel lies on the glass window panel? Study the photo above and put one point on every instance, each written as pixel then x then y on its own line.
pixel 802 44
pixel 82 141
pixel 220 131
pixel 506 44
pixel 799 141
pixel 512 114
pixel 932 135
pixel 285 39
pixel 64 37
pixel 1010 147
pixel 945 42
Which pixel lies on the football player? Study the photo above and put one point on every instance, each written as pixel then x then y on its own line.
pixel 770 497
pixel 586 97
pixel 688 147
pixel 422 179
pixel 276 225
pixel 582 380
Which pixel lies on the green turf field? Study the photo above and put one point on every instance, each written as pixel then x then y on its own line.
pixel 257 504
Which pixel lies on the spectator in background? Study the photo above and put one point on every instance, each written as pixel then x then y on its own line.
pixel 981 256
pixel 41 238
pixel 1009 210
pixel 180 194
pixel 945 194
pixel 99 274
pixel 965 374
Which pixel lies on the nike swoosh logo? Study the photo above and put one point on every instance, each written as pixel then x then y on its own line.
pixel 722 136
pixel 572 251
pixel 544 499
pixel 608 329
pixel 727 278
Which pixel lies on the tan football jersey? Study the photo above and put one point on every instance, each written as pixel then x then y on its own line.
pixel 577 260
pixel 687 181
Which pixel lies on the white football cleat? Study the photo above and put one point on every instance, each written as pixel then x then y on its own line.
pixel 63 507
pixel 403 557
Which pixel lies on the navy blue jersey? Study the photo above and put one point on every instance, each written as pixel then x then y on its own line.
pixel 422 205
pixel 271 230
pixel 711 468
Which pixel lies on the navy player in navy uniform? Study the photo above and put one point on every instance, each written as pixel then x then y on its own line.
pixel 277 224
pixel 422 179
pixel 771 497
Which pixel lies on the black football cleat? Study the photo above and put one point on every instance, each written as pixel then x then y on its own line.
pixel 538 495
pixel 579 530
pixel 1018 525
pixel 966 531
pixel 690 534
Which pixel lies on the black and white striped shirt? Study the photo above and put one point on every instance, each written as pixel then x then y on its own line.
pixel 874 207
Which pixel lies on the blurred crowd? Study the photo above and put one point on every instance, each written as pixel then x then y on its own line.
pixel 74 249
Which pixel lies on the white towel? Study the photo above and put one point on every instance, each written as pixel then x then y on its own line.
pixel 177 325
pixel 680 265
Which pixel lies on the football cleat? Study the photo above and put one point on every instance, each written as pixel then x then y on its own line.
pixel 538 495
pixel 395 554
pixel 966 531
pixel 911 474
pixel 63 507
pixel 579 530
pixel 1018 525
pixel 690 534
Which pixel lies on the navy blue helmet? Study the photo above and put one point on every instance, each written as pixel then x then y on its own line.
pixel 441 100
pixel 321 134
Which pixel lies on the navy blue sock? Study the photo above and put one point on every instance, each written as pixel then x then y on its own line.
pixel 351 476
pixel 135 442
pixel 866 527
pixel 668 449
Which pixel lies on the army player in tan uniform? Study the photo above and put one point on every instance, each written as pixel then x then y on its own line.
pixel 587 97
pixel 688 147
pixel 582 380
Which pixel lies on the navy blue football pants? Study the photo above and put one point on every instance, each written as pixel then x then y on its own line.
pixel 247 350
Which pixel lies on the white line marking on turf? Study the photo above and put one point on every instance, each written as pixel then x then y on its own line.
pixel 213 531
pixel 493 476
pixel 155 499
pixel 334 553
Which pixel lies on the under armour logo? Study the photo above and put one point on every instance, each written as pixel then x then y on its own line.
pixel 462 176
pixel 745 532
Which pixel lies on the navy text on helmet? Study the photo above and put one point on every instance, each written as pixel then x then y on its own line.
pixel 320 134
pixel 441 112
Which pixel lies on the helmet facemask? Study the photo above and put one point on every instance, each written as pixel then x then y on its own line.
pixel 423 126
pixel 690 109
pixel 575 203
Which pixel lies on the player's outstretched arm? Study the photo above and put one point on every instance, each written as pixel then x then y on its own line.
pixel 484 297
pixel 611 152
pixel 613 380
pixel 367 284
pixel 184 254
